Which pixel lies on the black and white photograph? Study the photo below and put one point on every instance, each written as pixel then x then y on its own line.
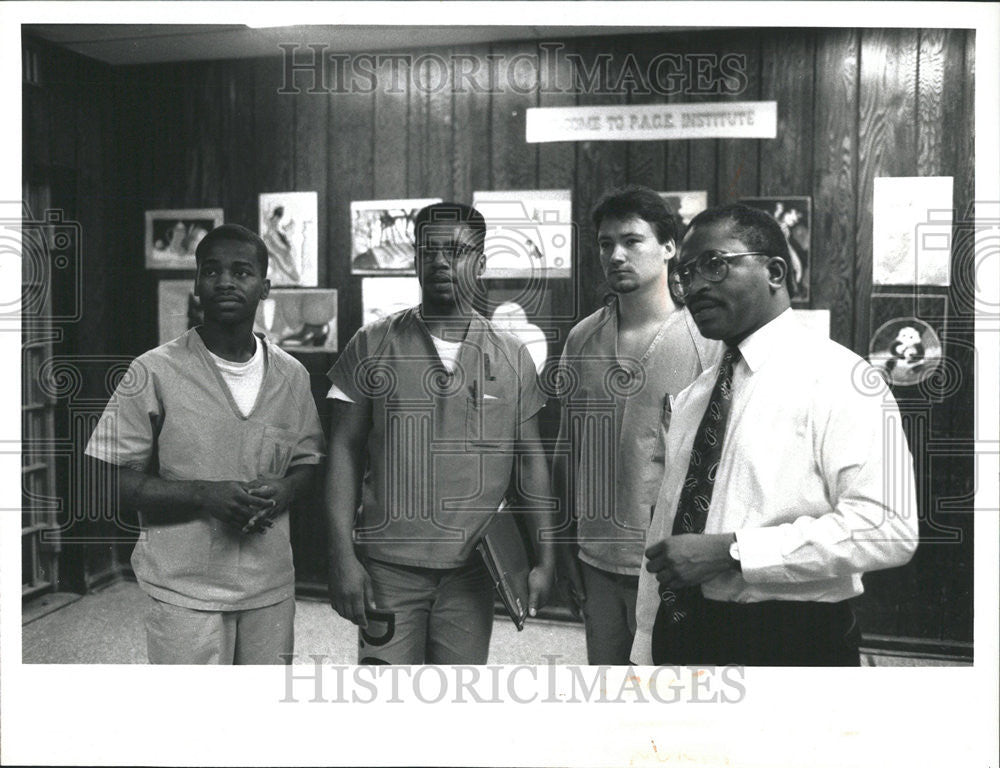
pixel 528 233
pixel 288 225
pixel 687 204
pixel 631 366
pixel 383 237
pixel 794 216
pixel 173 235
pixel 299 320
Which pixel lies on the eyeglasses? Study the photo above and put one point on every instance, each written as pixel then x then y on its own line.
pixel 713 266
pixel 451 253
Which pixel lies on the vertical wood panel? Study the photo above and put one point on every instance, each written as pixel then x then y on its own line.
pixel 416 137
pixel 513 161
pixel 646 159
pixel 557 170
pixel 676 176
pixel 702 153
pixel 965 189
pixel 471 132
pixel 436 75
pixel 835 158
pixel 274 132
pixel 311 163
pixel 167 144
pixel 210 90
pixel 886 143
pixel 391 108
pixel 600 165
pixel 940 79
pixel 786 162
pixel 349 178
pixel 739 159
pixel 239 198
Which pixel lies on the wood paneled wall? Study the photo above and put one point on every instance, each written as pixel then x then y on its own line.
pixel 852 105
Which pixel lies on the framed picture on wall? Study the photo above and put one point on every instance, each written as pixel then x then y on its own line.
pixel 288 225
pixel 383 237
pixel 794 216
pixel 299 320
pixel 178 309
pixel 382 296
pixel 173 234
pixel 686 205
pixel 907 336
pixel 529 233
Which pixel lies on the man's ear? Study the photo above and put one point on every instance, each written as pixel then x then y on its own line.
pixel 669 250
pixel 777 269
pixel 267 288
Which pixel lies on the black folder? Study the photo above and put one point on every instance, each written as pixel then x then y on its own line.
pixel 506 558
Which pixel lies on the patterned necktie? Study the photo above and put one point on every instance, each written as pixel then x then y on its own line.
pixel 696 493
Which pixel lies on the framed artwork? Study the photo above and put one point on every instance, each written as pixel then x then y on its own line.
pixel 383 237
pixel 906 338
pixel 686 205
pixel 288 225
pixel 178 309
pixel 299 320
pixel 172 235
pixel 911 230
pixel 529 233
pixel 794 216
pixel 382 296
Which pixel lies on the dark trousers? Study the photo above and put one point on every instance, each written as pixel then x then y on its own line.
pixel 773 633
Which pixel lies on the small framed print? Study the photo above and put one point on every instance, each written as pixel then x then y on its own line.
pixel 794 216
pixel 299 319
pixel 383 241
pixel 173 235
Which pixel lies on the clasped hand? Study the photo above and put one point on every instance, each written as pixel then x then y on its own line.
pixel 689 559
pixel 251 507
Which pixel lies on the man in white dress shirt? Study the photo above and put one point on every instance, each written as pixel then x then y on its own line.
pixel 788 474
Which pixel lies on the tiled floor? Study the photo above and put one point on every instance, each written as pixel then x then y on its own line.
pixel 106 627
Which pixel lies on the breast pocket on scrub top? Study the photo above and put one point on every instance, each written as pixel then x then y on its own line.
pixel 276 449
pixel 489 422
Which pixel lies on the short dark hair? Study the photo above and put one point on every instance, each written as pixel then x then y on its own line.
pixel 634 201
pixel 449 213
pixel 232 233
pixel 756 228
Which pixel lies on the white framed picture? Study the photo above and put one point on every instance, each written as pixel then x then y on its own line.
pixel 529 233
pixel 172 235
pixel 288 225
pixel 383 239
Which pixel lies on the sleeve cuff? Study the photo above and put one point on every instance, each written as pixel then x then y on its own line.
pixel 761 558
pixel 642 649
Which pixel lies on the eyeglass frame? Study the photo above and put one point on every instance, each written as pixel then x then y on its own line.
pixel 692 265
pixel 452 252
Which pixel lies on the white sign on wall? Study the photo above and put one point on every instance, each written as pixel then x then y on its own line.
pixel 654 122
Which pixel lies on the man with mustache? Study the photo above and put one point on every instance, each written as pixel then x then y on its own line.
pixel 787 478
pixel 215 435
pixel 434 413
pixel 621 366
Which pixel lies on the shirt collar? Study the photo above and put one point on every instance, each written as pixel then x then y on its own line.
pixel 758 347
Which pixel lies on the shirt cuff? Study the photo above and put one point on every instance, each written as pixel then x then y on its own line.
pixel 642 649
pixel 761 558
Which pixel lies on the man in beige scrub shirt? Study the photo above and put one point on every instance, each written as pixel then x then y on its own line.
pixel 214 436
